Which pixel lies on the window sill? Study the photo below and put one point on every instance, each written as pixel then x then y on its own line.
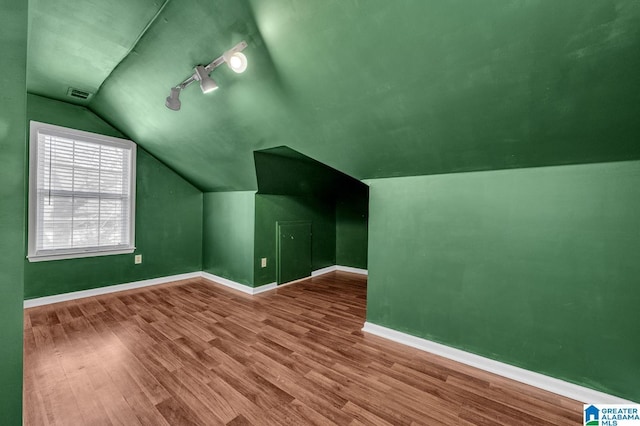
pixel 61 256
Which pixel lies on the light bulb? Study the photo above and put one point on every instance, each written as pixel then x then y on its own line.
pixel 237 62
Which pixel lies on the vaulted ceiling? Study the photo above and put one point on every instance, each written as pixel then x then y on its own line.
pixel 373 88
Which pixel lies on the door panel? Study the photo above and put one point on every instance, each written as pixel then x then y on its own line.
pixel 294 251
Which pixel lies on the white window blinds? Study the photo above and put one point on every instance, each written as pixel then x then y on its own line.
pixel 82 192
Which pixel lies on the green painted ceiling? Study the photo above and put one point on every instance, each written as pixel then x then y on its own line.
pixel 373 88
pixel 283 171
pixel 78 43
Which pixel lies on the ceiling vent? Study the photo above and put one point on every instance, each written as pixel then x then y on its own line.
pixel 78 94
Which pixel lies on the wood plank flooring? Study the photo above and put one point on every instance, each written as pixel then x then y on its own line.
pixel 193 353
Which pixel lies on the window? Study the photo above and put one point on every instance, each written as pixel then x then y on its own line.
pixel 81 194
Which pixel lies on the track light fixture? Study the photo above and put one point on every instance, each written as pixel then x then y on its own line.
pixel 234 58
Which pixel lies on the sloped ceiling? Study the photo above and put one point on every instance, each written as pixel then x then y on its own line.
pixel 372 88
pixel 283 171
pixel 78 43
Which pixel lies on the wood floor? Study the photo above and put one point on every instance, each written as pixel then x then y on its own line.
pixel 196 353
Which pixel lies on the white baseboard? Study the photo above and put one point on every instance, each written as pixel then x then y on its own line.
pixel 341 269
pixel 265 287
pixel 56 298
pixel 237 286
pixel 352 270
pixel 47 300
pixel 255 290
pixel 288 283
pixel 327 270
pixel 324 270
pixel 538 380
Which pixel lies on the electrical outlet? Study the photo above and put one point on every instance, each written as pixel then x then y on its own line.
pixel 137 259
pixel 263 262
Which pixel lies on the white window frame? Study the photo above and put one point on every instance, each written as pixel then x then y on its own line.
pixel 43 255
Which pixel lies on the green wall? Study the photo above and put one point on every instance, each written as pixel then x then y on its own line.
pixel 228 227
pixel 352 213
pixel 533 267
pixel 13 45
pixel 270 209
pixel 168 220
pixel 309 189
